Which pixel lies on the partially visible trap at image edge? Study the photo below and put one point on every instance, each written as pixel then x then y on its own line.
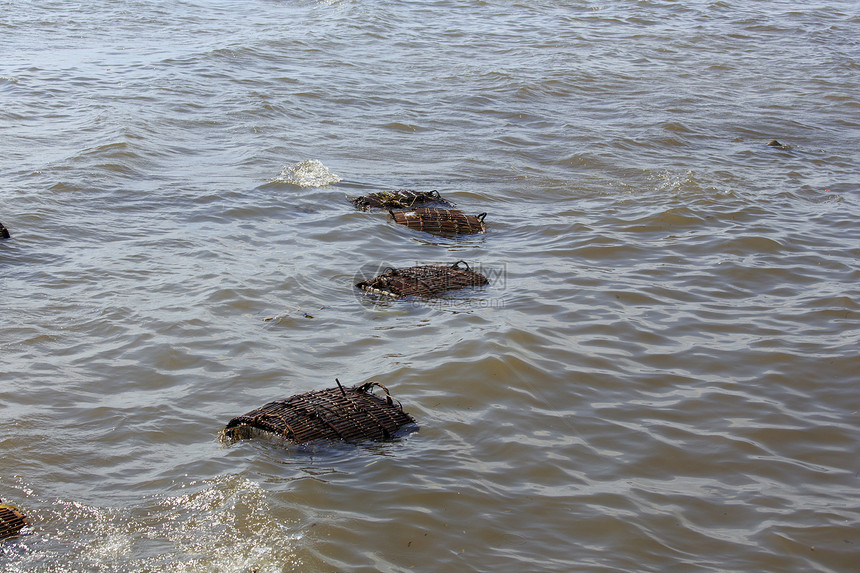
pixel 340 414
pixel 11 520
pixel 423 281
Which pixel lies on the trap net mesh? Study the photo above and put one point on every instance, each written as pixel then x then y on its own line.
pixel 423 281
pixel 349 414
pixel 399 199
pixel 443 222
pixel 11 521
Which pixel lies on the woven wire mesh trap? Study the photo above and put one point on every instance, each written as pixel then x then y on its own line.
pixel 352 415
pixel 442 222
pixel 11 520
pixel 423 281
pixel 399 199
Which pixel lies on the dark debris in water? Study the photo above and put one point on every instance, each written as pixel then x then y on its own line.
pixel 288 314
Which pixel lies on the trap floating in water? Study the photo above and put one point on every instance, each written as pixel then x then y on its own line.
pixel 443 222
pixel 346 414
pixel 11 521
pixel 399 199
pixel 423 281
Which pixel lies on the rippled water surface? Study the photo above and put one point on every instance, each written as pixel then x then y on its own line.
pixel 662 375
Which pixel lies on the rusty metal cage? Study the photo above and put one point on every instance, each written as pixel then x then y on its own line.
pixel 353 414
pixel 423 281
pixel 11 521
pixel 442 222
pixel 399 199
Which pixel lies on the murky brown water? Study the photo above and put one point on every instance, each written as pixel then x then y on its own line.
pixel 662 376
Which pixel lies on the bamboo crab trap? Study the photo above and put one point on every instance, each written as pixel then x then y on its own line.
pixel 11 521
pixel 423 281
pixel 346 414
pixel 400 199
pixel 443 222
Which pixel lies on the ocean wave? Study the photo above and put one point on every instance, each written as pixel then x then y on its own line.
pixel 308 173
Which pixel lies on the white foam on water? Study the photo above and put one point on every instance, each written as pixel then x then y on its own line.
pixel 308 173
pixel 220 525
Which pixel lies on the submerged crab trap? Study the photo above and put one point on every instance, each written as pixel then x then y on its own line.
pixel 399 199
pixel 353 414
pixel 11 521
pixel 423 281
pixel 443 222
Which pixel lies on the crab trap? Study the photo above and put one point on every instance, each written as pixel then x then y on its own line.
pixel 11 521
pixel 353 415
pixel 399 199
pixel 423 281
pixel 442 222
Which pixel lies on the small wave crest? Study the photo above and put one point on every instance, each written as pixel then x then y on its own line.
pixel 219 525
pixel 308 173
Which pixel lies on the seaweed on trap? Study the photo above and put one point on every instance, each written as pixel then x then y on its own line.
pixel 399 199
